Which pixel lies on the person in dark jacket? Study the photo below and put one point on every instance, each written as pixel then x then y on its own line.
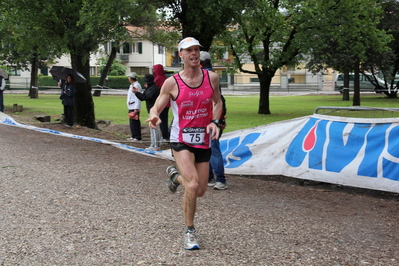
pixel 68 93
pixel 150 95
pixel 216 165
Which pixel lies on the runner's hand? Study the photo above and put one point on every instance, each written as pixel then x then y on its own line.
pixel 213 129
pixel 153 121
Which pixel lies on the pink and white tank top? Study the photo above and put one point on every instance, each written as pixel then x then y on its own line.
pixel 192 112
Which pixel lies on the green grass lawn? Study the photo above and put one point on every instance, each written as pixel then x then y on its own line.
pixel 242 111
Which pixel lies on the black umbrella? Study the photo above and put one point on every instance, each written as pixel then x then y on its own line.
pixel 3 73
pixel 59 72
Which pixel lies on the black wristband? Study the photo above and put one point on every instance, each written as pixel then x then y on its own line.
pixel 216 122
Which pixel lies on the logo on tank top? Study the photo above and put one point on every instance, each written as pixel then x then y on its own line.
pixel 207 101
pixel 195 94
pixel 186 104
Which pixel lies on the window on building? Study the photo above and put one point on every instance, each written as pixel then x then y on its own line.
pixel 253 80
pixel 92 71
pixel 298 79
pixel 126 48
pixel 44 71
pixel 14 72
pixel 112 44
pixel 223 77
pixel 161 49
pixel 141 71
pixel 137 48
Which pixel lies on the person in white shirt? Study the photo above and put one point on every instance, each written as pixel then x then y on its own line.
pixel 134 106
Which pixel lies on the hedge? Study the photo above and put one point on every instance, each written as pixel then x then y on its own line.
pixel 114 82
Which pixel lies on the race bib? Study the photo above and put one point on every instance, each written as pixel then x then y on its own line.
pixel 194 135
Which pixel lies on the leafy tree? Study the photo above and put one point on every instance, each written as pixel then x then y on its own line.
pixel 348 47
pixel 21 48
pixel 387 62
pixel 80 27
pixel 144 17
pixel 105 70
pixel 116 69
pixel 202 20
pixel 272 34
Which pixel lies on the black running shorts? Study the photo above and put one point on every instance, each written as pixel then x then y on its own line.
pixel 201 155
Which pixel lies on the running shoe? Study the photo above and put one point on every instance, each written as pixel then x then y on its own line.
pixel 220 186
pixel 171 171
pixel 211 182
pixel 190 240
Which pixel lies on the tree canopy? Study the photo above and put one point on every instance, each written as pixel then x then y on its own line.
pixel 272 34
pixel 75 27
pixel 202 20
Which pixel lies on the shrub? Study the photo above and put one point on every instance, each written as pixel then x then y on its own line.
pixel 114 82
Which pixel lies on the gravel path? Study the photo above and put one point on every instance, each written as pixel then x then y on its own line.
pixel 73 202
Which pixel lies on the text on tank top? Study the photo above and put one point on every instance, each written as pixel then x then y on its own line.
pixel 194 107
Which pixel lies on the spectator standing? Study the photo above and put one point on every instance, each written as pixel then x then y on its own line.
pixel 196 107
pixel 68 94
pixel 134 107
pixel 150 95
pixel 216 165
pixel 2 87
pixel 160 77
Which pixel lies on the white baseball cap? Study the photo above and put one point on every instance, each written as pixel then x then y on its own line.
pixel 204 56
pixel 187 42
pixel 132 75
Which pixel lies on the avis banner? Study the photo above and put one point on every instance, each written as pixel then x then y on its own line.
pixel 348 151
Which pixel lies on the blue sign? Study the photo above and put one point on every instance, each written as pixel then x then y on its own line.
pixel 330 147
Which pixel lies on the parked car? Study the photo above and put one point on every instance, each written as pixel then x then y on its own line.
pixel 365 84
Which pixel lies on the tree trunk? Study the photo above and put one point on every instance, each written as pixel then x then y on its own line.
pixel 84 106
pixel 356 85
pixel 264 104
pixel 346 78
pixel 33 89
pixel 106 69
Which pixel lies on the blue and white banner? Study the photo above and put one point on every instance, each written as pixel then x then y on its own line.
pixel 7 120
pixel 347 151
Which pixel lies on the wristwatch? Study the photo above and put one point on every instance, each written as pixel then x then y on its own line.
pixel 216 122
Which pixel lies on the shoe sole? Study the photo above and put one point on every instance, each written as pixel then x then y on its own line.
pixel 172 188
pixel 217 188
pixel 195 247
pixel 169 183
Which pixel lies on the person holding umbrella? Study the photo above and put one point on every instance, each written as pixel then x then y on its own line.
pixel 68 92
pixel 3 77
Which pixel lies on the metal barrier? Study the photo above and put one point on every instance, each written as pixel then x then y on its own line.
pixel 358 111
